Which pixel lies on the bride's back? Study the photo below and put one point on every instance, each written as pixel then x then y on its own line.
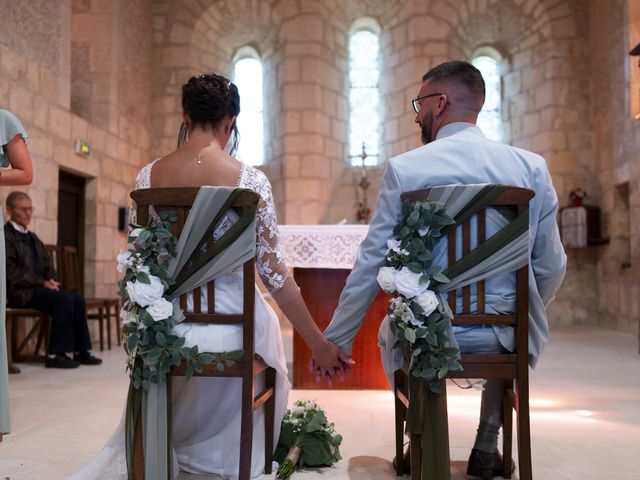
pixel 194 166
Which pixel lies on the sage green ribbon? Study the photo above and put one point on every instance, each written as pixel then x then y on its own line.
pixel 507 250
pixel 190 269
pixel 5 424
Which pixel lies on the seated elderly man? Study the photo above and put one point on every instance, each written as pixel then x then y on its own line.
pixel 33 283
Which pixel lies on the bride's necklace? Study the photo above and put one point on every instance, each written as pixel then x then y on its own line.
pixel 202 153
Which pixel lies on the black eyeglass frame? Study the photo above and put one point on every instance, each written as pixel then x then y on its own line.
pixel 416 105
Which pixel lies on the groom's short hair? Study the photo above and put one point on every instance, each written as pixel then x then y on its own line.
pixel 460 72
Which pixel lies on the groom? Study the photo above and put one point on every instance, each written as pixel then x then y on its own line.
pixel 455 151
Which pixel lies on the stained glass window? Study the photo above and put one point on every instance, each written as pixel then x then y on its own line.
pixel 247 75
pixel 364 97
pixel 489 119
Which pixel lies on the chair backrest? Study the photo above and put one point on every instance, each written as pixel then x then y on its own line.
pixel 54 257
pixel 516 199
pixel 70 271
pixel 178 202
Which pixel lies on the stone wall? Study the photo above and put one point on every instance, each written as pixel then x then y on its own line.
pixel 35 83
pixel 617 147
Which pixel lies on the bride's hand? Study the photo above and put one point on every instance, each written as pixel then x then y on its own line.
pixel 329 361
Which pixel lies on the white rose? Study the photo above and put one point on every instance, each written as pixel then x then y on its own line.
pixel 124 260
pixel 408 283
pixel 145 294
pixel 160 309
pixel 428 301
pixel 387 279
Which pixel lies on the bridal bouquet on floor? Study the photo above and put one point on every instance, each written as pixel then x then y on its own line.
pixel 148 315
pixel 306 438
pixel 419 319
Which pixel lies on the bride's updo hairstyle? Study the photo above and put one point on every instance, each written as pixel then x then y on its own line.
pixel 208 99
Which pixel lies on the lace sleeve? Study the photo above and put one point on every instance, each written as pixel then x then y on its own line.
pixel 143 180
pixel 270 262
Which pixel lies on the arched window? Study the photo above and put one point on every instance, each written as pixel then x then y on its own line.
pixel 489 120
pixel 364 95
pixel 247 75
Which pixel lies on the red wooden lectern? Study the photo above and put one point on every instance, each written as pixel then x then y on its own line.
pixel 321 288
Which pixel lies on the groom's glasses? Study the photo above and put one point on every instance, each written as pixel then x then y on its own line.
pixel 415 103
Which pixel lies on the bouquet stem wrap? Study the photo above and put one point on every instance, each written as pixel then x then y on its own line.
pixel 427 416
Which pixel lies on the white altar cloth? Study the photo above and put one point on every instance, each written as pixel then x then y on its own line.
pixel 321 246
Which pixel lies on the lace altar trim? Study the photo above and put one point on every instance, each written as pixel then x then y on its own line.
pixel 321 246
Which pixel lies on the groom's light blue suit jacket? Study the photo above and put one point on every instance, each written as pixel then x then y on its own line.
pixel 461 154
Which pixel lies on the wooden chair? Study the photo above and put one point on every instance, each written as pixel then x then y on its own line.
pixel 512 368
pixel 18 350
pixel 178 201
pixel 54 256
pixel 97 308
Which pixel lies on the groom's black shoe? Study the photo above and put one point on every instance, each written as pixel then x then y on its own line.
pixel 406 463
pixel 486 464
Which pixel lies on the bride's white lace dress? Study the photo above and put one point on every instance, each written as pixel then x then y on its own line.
pixel 206 411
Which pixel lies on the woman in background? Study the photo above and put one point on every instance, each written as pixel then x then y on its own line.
pixel 14 154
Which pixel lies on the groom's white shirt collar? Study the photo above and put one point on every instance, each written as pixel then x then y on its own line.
pixel 457 127
pixel 19 228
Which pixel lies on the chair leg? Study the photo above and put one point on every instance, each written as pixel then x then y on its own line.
pixel 246 427
pixel 107 317
pixel 508 401
pixel 415 445
pixel 269 419
pixel 401 415
pixel 524 430
pixel 117 319
pixel 8 326
pixel 100 327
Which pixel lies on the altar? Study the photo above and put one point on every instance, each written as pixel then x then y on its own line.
pixel 322 257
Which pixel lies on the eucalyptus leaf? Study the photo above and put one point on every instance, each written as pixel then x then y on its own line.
pixel 142 277
pixel 440 277
pixel 160 339
pixel 410 335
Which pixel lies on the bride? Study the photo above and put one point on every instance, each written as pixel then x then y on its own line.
pixel 206 411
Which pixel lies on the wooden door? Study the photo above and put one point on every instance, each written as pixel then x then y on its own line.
pixel 71 198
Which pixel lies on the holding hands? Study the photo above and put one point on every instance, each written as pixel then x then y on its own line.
pixel 329 361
